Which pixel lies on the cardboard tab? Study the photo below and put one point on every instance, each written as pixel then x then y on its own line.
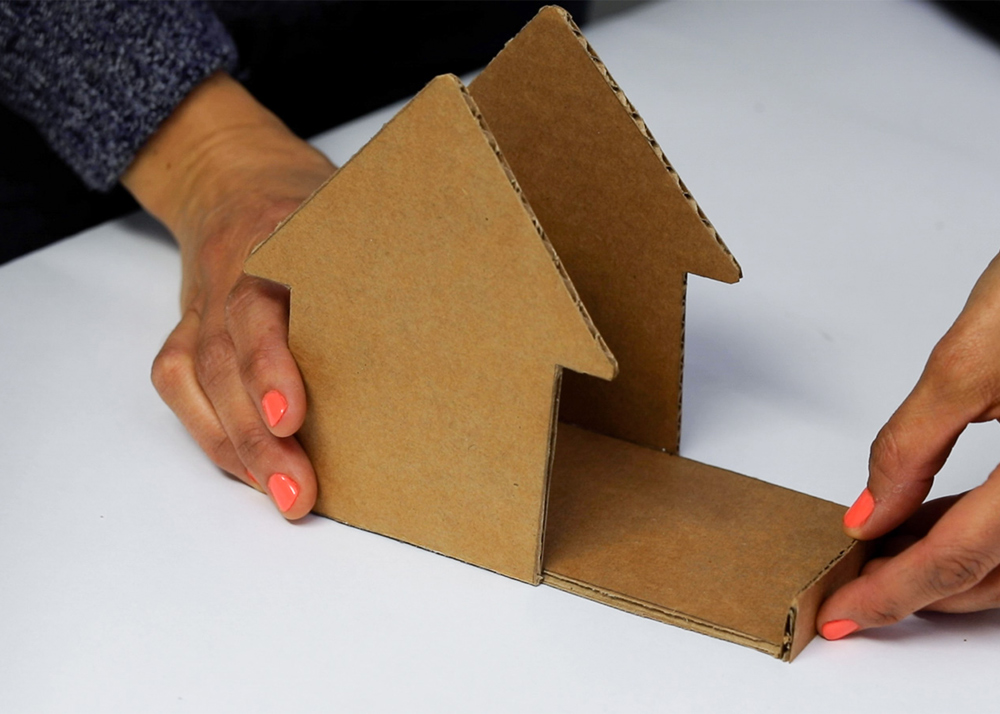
pixel 428 317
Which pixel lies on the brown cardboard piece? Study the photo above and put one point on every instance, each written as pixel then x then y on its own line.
pixel 428 317
pixel 623 223
pixel 431 319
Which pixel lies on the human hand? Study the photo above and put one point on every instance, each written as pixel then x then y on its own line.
pixel 221 173
pixel 942 555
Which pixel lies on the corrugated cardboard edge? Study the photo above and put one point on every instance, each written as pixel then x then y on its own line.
pixel 644 130
pixel 655 146
pixel 800 627
pixel 660 613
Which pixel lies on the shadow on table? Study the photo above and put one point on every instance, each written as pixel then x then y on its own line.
pixel 766 365
pixel 924 624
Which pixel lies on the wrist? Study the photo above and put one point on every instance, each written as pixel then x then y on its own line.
pixel 207 153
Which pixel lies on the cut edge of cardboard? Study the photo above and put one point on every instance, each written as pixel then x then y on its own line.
pixel 644 130
pixel 659 613
pixel 800 625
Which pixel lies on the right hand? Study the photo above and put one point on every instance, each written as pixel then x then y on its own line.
pixel 943 555
pixel 221 173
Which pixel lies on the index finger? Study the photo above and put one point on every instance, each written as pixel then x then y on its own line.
pixel 959 385
pixel 905 457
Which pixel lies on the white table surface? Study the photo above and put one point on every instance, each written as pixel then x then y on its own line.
pixel 849 156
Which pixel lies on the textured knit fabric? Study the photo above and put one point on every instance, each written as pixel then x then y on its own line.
pixel 315 64
pixel 97 77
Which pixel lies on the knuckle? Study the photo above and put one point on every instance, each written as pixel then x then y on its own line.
pixel 955 568
pixel 171 368
pixel 961 368
pixel 214 359
pixel 253 445
pixel 241 297
pixel 884 615
pixel 887 455
pixel 257 366
pixel 881 610
pixel 953 354
pixel 219 449
pixel 894 460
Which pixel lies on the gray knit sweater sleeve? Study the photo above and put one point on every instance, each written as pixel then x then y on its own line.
pixel 97 77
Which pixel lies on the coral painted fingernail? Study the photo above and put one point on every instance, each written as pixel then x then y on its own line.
pixel 252 479
pixel 284 491
pixel 861 510
pixel 275 406
pixel 835 629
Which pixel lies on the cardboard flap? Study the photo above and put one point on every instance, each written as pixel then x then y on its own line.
pixel 428 317
pixel 617 212
pixel 691 544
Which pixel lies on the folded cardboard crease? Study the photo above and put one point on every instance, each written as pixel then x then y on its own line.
pixel 443 279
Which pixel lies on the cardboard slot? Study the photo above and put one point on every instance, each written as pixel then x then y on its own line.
pixel 686 543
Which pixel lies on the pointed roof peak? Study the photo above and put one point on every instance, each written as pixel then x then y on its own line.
pixel 541 39
pixel 434 178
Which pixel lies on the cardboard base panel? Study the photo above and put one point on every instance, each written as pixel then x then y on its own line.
pixel 689 544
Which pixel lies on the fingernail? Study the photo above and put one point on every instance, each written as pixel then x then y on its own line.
pixel 275 406
pixel 252 479
pixel 835 629
pixel 861 510
pixel 284 491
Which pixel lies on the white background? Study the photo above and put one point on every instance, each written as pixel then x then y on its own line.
pixel 849 156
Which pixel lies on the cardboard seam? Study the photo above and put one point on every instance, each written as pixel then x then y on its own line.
pixel 644 130
pixel 567 282
pixel 553 435
pixel 402 540
pixel 680 366
pixel 660 613
pixel 836 559
pixel 786 639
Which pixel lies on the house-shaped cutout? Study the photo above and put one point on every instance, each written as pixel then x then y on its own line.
pixel 432 318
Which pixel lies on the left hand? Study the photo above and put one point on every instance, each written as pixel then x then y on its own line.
pixel 221 173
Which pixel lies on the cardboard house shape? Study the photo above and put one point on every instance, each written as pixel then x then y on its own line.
pixel 487 238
